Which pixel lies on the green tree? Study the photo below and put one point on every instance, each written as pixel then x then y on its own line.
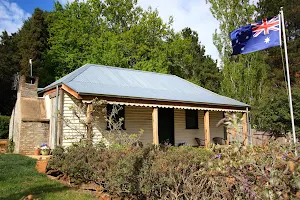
pixel 33 44
pixel 292 23
pixel 122 34
pixel 273 111
pixel 276 103
pixel 231 15
pixel 244 76
pixel 188 60
pixel 9 65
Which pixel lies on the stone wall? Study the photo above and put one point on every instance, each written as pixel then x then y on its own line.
pixel 29 126
pixel 33 134
pixel 28 89
pixel 14 125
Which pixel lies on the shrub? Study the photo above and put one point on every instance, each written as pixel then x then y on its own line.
pixel 11 146
pixel 4 126
pixel 151 172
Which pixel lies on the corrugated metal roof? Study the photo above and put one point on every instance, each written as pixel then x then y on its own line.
pixel 103 80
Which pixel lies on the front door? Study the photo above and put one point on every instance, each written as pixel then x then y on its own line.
pixel 166 125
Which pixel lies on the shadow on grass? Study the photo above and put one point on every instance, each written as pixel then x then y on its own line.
pixel 37 191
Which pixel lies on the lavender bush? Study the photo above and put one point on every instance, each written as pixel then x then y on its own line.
pixel 151 172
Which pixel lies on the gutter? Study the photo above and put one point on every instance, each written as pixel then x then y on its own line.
pixel 165 100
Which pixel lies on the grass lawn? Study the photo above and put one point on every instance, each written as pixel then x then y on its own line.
pixel 18 178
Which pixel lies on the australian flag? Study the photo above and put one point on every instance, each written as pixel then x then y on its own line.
pixel 257 36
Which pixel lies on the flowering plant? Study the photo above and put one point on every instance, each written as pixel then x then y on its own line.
pixel 37 147
pixel 44 146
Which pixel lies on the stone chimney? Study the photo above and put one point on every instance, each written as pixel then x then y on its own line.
pixel 26 89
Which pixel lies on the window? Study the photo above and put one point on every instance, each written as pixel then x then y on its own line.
pixel 191 119
pixel 115 112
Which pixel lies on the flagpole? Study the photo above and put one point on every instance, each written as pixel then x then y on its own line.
pixel 288 75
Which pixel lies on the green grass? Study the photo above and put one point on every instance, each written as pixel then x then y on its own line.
pixel 19 178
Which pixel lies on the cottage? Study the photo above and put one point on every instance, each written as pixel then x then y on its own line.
pixel 165 106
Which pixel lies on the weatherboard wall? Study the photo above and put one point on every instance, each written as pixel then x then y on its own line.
pixel 72 128
pixel 137 119
pixel 188 135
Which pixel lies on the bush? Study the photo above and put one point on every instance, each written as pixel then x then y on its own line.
pixel 4 126
pixel 223 172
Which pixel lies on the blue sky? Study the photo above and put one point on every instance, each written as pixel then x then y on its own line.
pixel 29 5
pixel 186 13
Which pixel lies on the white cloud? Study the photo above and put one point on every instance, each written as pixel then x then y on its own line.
pixel 11 16
pixel 192 13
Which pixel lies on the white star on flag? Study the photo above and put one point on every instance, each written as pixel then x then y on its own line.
pixel 267 40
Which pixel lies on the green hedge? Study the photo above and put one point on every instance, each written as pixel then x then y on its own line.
pixel 4 126
pixel 229 172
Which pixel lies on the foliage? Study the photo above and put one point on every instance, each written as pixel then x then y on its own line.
pixel 33 45
pixel 19 178
pixel 275 114
pixel 198 67
pixel 232 122
pixel 278 121
pixel 152 172
pixel 257 78
pixel 291 9
pixel 9 65
pixel 244 76
pixel 110 32
pixel 4 126
pixel 122 34
pixel 231 16
pixel 11 146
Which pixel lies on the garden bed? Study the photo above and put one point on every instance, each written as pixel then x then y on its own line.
pixel 228 172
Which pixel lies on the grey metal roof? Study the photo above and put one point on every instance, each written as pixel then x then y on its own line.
pixel 112 81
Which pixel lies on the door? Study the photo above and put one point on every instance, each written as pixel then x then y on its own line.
pixel 166 125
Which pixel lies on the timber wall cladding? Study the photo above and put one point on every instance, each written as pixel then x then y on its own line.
pixel 187 135
pixel 73 130
pixel 137 118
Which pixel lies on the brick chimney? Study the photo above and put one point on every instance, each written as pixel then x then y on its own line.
pixel 26 89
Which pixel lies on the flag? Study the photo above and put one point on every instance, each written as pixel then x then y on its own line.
pixel 257 36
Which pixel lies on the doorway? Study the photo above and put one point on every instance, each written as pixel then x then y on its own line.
pixel 166 125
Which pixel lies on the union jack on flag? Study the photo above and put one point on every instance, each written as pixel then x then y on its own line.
pixel 266 26
pixel 257 36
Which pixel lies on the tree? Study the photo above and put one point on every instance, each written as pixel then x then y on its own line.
pixel 277 108
pixel 9 65
pixel 274 113
pixel 231 15
pixel 244 76
pixel 188 60
pixel 33 44
pixel 255 78
pixel 122 34
pixel 89 31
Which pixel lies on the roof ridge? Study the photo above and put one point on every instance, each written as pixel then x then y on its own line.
pixel 72 75
pixel 84 68
pixel 129 69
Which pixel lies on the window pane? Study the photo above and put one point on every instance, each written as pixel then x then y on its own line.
pixel 191 119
